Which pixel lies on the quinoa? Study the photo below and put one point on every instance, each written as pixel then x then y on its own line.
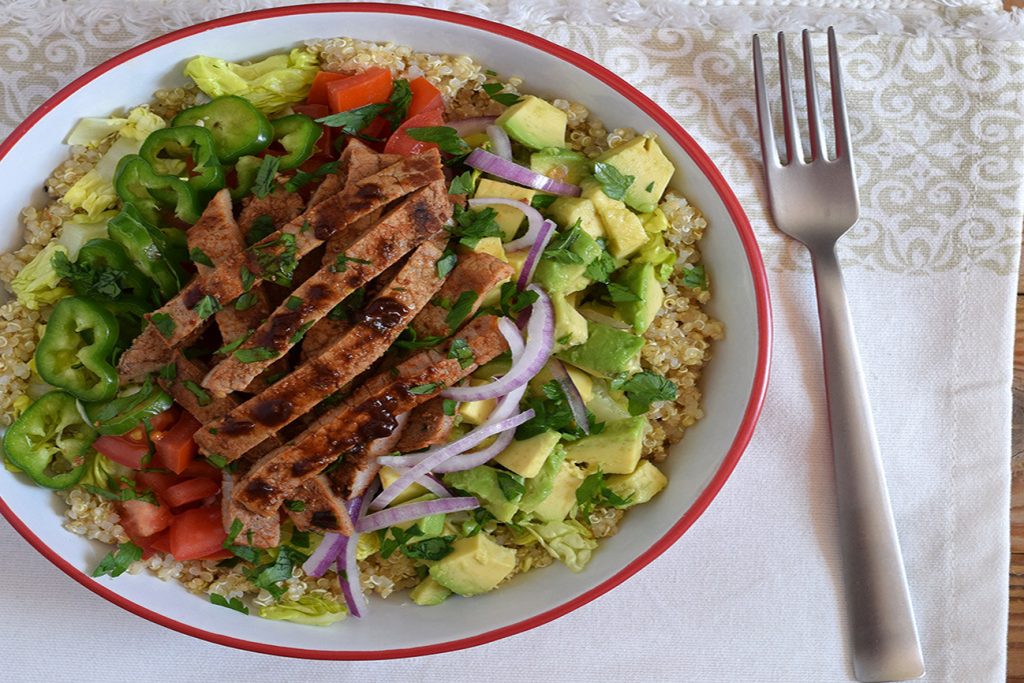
pixel 679 340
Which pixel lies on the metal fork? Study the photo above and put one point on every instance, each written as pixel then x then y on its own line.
pixel 815 202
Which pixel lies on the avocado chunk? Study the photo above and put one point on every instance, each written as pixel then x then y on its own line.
pixel 658 255
pixel 535 123
pixel 605 404
pixel 539 487
pixel 527 457
pixel 476 565
pixel 560 164
pixel 615 450
pixel 482 482
pixel 429 592
pixel 557 504
pixel 568 210
pixel 570 326
pixel 643 159
pixel 389 475
pixel 640 485
pixel 606 352
pixel 476 412
pixel 583 382
pixel 622 227
pixel 508 218
pixel 431 525
pixel 640 279
pixel 491 246
pixel 654 222
pixel 557 277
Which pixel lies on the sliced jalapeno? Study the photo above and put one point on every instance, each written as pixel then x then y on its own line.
pixel 186 152
pixel 125 413
pixel 238 128
pixel 155 252
pixel 138 185
pixel 298 135
pixel 75 351
pixel 245 176
pixel 50 440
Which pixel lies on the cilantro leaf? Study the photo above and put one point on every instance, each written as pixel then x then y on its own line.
pixel 461 351
pixel 621 293
pixel 644 388
pixel 84 278
pixel 494 91
pixel 199 256
pixel 460 310
pixel 446 263
pixel 650 187
pixel 462 184
pixel 448 406
pixel 202 397
pixel 398 102
pixel 471 226
pixel 354 120
pixel 278 258
pixel 600 268
pixel 694 277
pixel 206 307
pixel 513 486
pixel 552 412
pixel 218 461
pixel 594 491
pixel 424 389
pixel 445 137
pixel 302 178
pixel 264 183
pixel 410 340
pixel 612 181
pixel 560 250
pixel 293 303
pixel 513 301
pixel 116 562
pixel 233 603
pixel 543 201
pixel 247 278
pixel 163 323
pixel 262 226
pixel 246 301
pixel 231 346
pixel 255 355
pixel 342 261
pixel 429 548
pixel 301 332
pixel 168 372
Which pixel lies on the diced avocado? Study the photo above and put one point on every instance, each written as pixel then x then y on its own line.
pixel 639 278
pixel 517 259
pixel 640 485
pixel 622 227
pixel 565 278
pixel 526 457
pixel 567 210
pixel 570 326
pixel 606 352
pixel 476 412
pixel 654 222
pixel 658 255
pixel 560 164
pixel 498 366
pixel 487 245
pixel 482 482
pixel 535 123
pixel 615 450
pixel 643 159
pixel 584 383
pixel 605 404
pixel 539 487
pixel 599 313
pixel 562 498
pixel 508 218
pixel 476 565
pixel 388 476
pixel 431 525
pixel 429 592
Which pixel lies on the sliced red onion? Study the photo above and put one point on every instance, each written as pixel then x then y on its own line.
pixel 468 461
pixel 540 333
pixel 572 394
pixel 434 485
pixel 437 456
pixel 535 221
pixel 598 317
pixel 324 556
pixel 520 175
pixel 500 143
pixel 471 126
pixel 547 231
pixel 410 511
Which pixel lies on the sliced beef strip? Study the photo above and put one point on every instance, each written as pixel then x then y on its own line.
pixel 280 207
pixel 375 329
pixel 419 216
pixel 258 531
pixel 428 426
pixel 323 509
pixel 475 272
pixel 150 354
pixel 317 224
pixel 353 476
pixel 368 414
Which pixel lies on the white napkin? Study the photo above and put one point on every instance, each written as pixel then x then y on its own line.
pixel 753 591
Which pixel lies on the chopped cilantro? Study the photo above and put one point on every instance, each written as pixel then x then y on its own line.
pixel 621 293
pixel 446 263
pixel 398 537
pixel 613 183
pixel 247 278
pixel 694 277
pixel 471 226
pixel 301 332
pixel 217 460
pixel 445 137
pixel 255 355
pixel 643 389
pixel 560 250
pixel 543 201
pixel 410 340
pixel 434 548
pixel 513 301
pixel 398 102
pixel 302 178
pixel 293 303
pixel 246 301
pixel 460 310
pixel 462 184
pixel 199 256
pixel 233 603
pixel 202 397
pixel 594 491
pixel 424 389
pixel 342 261
pixel 264 183
pixel 461 351
pixel 512 486
pixel 163 323
pixel 650 187
pixel 168 372
pixel 552 412
pixel 231 346
pixel 206 307
pixel 448 406
pixel 268 576
pixel 494 91
pixel 295 505
pixel 116 562
pixel 600 268
pixel 125 492
pixel 354 120
pixel 262 226
pixel 278 258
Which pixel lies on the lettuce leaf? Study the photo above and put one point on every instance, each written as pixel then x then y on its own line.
pixel 102 472
pixel 568 541
pixel 38 284
pixel 138 124
pixel 315 609
pixel 271 84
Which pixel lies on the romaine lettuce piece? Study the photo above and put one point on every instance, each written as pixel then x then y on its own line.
pixel 38 284
pixel 315 609
pixel 138 124
pixel 102 472
pixel 569 541
pixel 94 192
pixel 271 84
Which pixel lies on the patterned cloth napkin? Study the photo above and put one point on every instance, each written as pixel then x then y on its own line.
pixel 753 591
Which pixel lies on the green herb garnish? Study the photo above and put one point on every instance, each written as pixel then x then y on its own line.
pixel 163 323
pixel 643 389
pixel 116 562
pixel 445 137
pixel 255 355
pixel 494 91
pixel 462 184
pixel 613 183
pixel 199 256
pixel 460 310
pixel 233 603
pixel 264 183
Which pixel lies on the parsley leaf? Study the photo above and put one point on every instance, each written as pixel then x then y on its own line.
pixel 398 102
pixel 461 351
pixel 694 277
pixel 448 406
pixel 594 491
pixel 445 137
pixel 353 120
pixel 202 397
pixel 206 307
pixel 462 184
pixel 621 293
pixel 199 256
pixel 342 261
pixel 513 301
pixel 295 505
pixel 233 603
pixel 600 268
pixel 255 355
pixel 494 91
pixel 246 301
pixel 471 226
pixel 434 548
pixel 410 340
pixel 643 389
pixel 218 461
pixel 116 562
pixel 278 258
pixel 264 183
pixel 398 538
pixel 424 389
pixel 552 412
pixel 267 576
pixel 164 323
pixel 262 226
pixel 446 263
pixel 560 250
pixel 513 486
pixel 460 310
pixel 293 303
pixel 543 201
pixel 168 372
pixel 612 181
pixel 302 178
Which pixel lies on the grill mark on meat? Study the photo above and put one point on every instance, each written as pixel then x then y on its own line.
pixel 273 412
pixel 428 426
pixel 354 474
pixel 324 518
pixel 475 272
pixel 383 314
pixel 230 426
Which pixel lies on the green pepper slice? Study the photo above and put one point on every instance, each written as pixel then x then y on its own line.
pixel 246 169
pixel 50 440
pixel 186 152
pixel 238 128
pixel 125 413
pixel 138 185
pixel 105 255
pixel 74 353
pixel 156 253
pixel 129 312
pixel 298 134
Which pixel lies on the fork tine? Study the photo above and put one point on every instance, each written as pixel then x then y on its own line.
pixel 817 133
pixel 794 151
pixel 838 100
pixel 769 154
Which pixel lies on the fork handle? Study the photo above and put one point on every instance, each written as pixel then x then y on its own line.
pixel 881 619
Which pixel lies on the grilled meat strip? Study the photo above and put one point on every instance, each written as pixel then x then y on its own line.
pixel 428 426
pixel 475 272
pixel 368 414
pixel 323 509
pixel 420 215
pixel 280 207
pixel 354 475
pixel 376 328
pixel 257 531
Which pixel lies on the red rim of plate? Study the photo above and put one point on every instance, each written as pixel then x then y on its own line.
pixel 746 235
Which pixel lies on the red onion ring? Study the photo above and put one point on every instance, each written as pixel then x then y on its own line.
pixel 411 511
pixel 547 231
pixel 500 143
pixel 520 175
pixel 572 394
pixel 471 126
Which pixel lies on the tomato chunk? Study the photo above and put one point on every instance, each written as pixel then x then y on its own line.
pixel 318 91
pixel 401 143
pixel 123 451
pixel 372 86
pixel 189 491
pixel 141 519
pixel 176 448
pixel 161 542
pixel 425 97
pixel 157 482
pixel 197 533
pixel 165 420
pixel 201 468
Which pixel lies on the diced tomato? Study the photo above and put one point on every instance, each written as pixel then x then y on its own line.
pixel 372 86
pixel 176 448
pixel 165 420
pixel 161 542
pixel 190 490
pixel 197 533
pixel 313 111
pixel 141 520
pixel 157 482
pixel 121 450
pixel 201 468
pixel 401 143
pixel 318 91
pixel 425 97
